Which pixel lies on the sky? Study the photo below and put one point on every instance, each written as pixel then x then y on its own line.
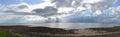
pixel 59 11
pixel 10 2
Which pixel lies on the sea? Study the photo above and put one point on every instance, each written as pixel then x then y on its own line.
pixel 66 25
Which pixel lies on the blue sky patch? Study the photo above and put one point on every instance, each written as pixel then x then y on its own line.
pixel 9 2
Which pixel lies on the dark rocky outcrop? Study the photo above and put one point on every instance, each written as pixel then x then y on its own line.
pixel 49 30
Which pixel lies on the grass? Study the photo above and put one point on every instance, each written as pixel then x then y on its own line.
pixel 5 34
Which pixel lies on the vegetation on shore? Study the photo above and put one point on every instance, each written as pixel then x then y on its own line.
pixel 5 34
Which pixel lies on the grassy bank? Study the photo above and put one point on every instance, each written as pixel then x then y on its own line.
pixel 5 34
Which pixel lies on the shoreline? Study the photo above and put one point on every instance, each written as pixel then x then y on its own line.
pixel 50 32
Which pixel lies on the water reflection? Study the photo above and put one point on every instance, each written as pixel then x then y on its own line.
pixel 74 25
pixel 69 25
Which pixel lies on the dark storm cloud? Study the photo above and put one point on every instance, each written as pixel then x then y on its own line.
pixel 22 6
pixel 47 11
pixel 62 3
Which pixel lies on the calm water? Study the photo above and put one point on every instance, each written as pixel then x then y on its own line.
pixel 69 25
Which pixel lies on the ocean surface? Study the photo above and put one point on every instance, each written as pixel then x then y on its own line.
pixel 67 25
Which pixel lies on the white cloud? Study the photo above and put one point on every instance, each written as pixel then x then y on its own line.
pixel 91 1
pixel 65 10
pixel 42 5
pixel 115 10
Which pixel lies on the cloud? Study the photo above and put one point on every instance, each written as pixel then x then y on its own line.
pixel 64 11
pixel 62 3
pixel 46 12
pixel 112 18
pixel 73 5
pixel 92 5
pixel 22 6
pixel 96 7
pixel 115 10
pixel 91 1
pixel 101 6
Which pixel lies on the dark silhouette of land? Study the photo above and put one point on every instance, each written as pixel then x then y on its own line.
pixel 26 31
